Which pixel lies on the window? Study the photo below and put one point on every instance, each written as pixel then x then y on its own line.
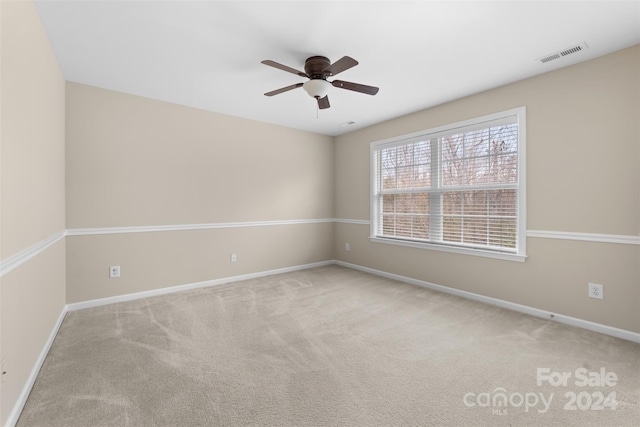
pixel 458 188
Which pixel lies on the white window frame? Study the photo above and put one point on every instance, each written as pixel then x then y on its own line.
pixel 521 223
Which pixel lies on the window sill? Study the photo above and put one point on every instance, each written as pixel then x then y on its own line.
pixel 452 249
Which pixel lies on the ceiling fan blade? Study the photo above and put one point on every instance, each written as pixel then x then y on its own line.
pixel 323 102
pixel 284 67
pixel 339 66
pixel 284 89
pixel 357 87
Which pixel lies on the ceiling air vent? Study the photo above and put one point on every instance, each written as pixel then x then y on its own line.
pixel 564 52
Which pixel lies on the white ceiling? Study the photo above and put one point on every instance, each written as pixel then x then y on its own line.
pixel 207 54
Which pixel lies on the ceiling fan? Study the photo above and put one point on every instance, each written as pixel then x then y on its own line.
pixel 317 69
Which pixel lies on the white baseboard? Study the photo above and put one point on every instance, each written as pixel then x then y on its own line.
pixel 560 318
pixel 12 419
pixel 26 390
pixel 568 320
pixel 189 286
pixel 572 321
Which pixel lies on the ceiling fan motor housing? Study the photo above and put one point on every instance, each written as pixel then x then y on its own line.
pixel 315 65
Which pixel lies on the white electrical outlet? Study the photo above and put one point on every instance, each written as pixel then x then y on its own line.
pixel 234 257
pixel 114 271
pixel 347 247
pixel 596 291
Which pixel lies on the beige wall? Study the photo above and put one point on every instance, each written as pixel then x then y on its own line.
pixel 133 161
pixel 583 146
pixel 169 258
pixel 32 197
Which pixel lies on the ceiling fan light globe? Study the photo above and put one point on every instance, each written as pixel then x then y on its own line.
pixel 317 88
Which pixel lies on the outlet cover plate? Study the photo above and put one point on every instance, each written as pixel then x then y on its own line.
pixel 114 271
pixel 596 291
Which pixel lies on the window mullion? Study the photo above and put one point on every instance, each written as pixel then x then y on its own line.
pixel 425 185
pixel 435 197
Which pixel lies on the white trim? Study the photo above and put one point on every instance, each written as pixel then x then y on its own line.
pixel 568 320
pixel 515 116
pixel 453 249
pixel 572 321
pixel 588 237
pixel 468 124
pixel 14 415
pixel 189 286
pixel 25 255
pixel 521 114
pixel 352 221
pixel 182 227
pixel 12 419
pixel 542 234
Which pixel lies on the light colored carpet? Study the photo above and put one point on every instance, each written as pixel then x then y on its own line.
pixel 326 346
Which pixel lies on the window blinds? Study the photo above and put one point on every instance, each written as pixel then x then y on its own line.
pixel 456 187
